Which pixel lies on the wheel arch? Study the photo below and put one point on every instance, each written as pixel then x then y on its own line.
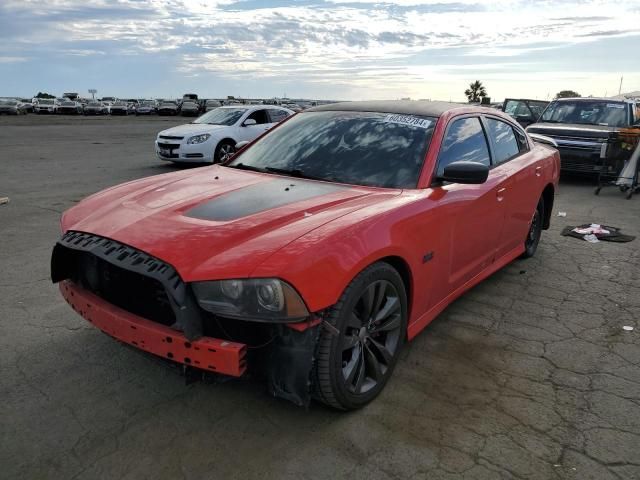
pixel 548 197
pixel 404 270
pixel 226 139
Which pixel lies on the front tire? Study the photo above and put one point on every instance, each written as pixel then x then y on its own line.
pixel 354 365
pixel 535 231
pixel 224 151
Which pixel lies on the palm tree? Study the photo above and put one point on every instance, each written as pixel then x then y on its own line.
pixel 475 92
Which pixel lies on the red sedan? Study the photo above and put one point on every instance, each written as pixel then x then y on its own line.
pixel 318 250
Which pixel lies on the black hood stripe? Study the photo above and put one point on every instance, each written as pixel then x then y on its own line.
pixel 260 197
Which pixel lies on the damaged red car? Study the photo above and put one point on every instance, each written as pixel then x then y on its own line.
pixel 318 250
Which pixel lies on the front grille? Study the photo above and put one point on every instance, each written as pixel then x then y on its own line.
pixel 145 286
pixel 121 275
pixel 135 293
pixel 573 164
pixel 167 150
pixel 170 137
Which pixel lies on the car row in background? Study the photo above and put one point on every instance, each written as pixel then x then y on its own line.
pixel 188 105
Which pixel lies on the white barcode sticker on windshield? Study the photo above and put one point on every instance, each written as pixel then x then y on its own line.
pixel 615 105
pixel 408 120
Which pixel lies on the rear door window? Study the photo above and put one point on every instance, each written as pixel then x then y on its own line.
pixel 277 115
pixel 505 144
pixel 464 141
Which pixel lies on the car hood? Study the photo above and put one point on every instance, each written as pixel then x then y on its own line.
pixel 571 130
pixel 216 222
pixel 191 128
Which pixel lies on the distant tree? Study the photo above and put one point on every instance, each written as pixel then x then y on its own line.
pixel 476 92
pixel 44 95
pixel 567 94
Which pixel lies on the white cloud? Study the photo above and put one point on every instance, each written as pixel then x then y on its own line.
pixel 383 46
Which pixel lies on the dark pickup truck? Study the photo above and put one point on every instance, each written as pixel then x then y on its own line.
pixel 588 131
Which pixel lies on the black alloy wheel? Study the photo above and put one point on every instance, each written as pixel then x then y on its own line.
pixel 354 365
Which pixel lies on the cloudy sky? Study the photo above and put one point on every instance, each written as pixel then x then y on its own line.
pixel 333 49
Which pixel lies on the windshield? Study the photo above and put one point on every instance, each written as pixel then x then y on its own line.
pixel 7 102
pixel 148 103
pixel 361 148
pixel 612 114
pixel 94 104
pixel 221 116
pixel 46 102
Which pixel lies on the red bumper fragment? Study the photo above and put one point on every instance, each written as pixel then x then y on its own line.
pixel 212 354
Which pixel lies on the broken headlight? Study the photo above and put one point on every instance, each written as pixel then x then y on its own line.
pixel 257 299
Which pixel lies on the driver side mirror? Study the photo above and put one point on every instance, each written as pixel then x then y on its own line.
pixel 465 172
pixel 248 122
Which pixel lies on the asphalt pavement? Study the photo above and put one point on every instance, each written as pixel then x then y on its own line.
pixel 528 376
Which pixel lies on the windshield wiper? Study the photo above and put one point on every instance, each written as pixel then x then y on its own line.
pixel 295 172
pixel 242 166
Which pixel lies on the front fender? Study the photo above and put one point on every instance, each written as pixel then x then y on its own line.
pixel 322 263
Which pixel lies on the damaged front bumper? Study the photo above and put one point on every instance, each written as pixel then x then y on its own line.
pixel 211 354
pixel 142 301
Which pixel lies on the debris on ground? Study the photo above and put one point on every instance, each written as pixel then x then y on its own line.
pixel 591 238
pixel 601 232
pixel 562 214
pixel 4 200
pixel 628 328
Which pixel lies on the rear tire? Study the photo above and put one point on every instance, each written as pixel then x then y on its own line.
pixel 354 365
pixel 535 231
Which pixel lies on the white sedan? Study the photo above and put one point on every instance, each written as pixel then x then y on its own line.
pixel 212 138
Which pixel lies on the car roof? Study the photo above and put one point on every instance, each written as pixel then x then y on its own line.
pixel 596 99
pixel 403 107
pixel 255 107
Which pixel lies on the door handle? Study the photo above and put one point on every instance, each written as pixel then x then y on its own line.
pixel 500 193
pixel 538 171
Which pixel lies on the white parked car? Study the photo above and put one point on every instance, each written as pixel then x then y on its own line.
pixel 212 138
pixel 45 105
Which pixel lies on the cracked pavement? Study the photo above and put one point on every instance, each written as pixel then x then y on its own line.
pixel 530 375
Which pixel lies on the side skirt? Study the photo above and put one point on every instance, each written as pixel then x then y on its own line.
pixel 418 325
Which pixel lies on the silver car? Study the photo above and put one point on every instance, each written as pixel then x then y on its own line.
pixel 11 106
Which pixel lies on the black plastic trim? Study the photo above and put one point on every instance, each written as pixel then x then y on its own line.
pixel 181 298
